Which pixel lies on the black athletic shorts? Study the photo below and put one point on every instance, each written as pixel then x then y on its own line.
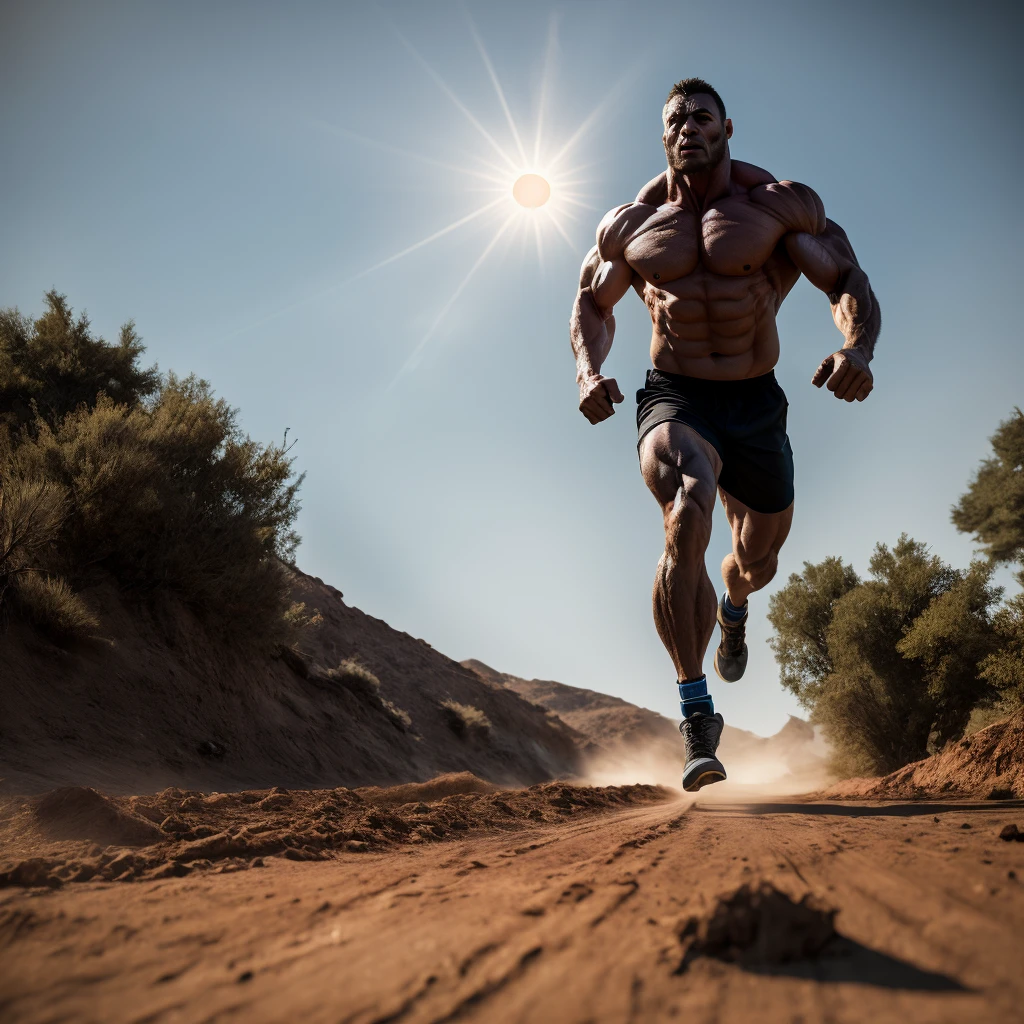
pixel 745 420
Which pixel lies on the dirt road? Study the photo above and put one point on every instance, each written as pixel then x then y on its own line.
pixel 577 920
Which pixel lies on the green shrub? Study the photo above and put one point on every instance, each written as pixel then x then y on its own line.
pixel 52 366
pixel 51 605
pixel 155 482
pixel 889 666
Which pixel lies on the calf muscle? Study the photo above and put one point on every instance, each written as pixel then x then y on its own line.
pixel 681 470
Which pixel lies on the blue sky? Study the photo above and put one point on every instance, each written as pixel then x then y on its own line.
pixel 218 172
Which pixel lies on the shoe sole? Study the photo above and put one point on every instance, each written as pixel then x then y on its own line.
pixel 726 679
pixel 704 779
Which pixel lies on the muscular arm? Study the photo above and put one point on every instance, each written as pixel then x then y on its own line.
pixel 828 261
pixel 603 281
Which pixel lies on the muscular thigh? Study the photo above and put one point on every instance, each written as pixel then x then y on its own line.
pixel 755 535
pixel 677 462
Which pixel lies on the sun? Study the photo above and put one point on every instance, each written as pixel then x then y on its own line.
pixel 531 190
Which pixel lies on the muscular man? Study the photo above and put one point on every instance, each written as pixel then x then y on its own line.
pixel 713 246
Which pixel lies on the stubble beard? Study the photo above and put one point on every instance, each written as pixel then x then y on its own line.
pixel 710 158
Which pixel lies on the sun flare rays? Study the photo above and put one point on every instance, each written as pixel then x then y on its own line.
pixel 527 190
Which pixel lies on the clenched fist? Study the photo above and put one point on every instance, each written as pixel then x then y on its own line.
pixel 596 397
pixel 847 374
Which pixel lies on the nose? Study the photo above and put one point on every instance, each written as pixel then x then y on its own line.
pixel 689 128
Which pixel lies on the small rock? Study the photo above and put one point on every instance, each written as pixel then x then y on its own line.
pixel 355 846
pixel 966 824
pixel 174 825
pixel 1010 833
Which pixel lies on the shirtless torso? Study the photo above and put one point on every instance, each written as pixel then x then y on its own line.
pixel 713 247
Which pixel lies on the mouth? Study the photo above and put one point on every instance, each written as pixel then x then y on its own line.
pixel 691 149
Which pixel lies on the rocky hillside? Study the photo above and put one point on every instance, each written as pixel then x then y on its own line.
pixel 156 701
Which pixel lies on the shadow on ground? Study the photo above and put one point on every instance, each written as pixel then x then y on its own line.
pixel 844 960
pixel 903 810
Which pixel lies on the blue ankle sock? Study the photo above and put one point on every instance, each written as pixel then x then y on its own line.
pixel 694 696
pixel 731 612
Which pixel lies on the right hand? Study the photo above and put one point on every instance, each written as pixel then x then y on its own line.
pixel 597 395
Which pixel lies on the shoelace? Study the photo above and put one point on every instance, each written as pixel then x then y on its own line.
pixel 699 732
pixel 733 637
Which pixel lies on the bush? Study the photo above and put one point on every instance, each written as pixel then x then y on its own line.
pixel 51 366
pixel 51 605
pixel 32 514
pixel 888 666
pixel 464 718
pixel 155 482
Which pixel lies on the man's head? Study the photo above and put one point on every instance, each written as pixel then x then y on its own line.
pixel 697 132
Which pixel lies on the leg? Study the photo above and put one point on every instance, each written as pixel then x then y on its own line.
pixel 681 469
pixel 757 538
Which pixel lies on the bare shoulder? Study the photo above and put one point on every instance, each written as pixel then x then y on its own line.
pixel 618 226
pixel 749 175
pixel 796 206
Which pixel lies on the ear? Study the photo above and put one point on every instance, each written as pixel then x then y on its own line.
pixel 728 127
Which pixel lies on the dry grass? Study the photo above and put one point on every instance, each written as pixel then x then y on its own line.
pixel 52 606
pixel 464 719
pixel 356 676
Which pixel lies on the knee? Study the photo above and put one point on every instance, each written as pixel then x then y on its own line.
pixel 688 516
pixel 758 572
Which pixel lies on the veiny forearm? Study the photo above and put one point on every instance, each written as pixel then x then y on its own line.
pixel 590 335
pixel 855 311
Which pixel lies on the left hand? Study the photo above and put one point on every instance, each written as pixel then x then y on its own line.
pixel 847 374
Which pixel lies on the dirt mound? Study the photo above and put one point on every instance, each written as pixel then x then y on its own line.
pixel 988 765
pixel 161 702
pixel 235 831
pixel 453 784
pixel 77 812
pixel 757 926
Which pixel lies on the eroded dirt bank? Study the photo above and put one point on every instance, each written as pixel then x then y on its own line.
pixel 585 915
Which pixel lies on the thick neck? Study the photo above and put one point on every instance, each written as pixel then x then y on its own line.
pixel 703 187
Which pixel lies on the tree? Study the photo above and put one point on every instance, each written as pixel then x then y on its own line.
pixel 108 470
pixel 801 613
pixel 1004 667
pixel 993 510
pixel 993 507
pixel 889 665
pixel 53 365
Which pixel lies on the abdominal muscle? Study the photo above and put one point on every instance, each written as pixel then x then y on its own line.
pixel 713 326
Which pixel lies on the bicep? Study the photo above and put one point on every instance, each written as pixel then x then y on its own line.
pixel 604 280
pixel 816 260
pixel 611 281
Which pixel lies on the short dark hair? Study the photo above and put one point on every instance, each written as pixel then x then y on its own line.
pixel 692 86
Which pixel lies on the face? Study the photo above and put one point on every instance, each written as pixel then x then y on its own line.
pixel 695 137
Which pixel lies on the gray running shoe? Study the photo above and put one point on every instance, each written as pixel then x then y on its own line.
pixel 731 656
pixel 701 734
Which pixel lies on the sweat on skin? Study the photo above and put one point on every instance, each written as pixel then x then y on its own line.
pixel 713 246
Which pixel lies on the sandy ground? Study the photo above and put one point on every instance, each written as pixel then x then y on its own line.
pixel 576 917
